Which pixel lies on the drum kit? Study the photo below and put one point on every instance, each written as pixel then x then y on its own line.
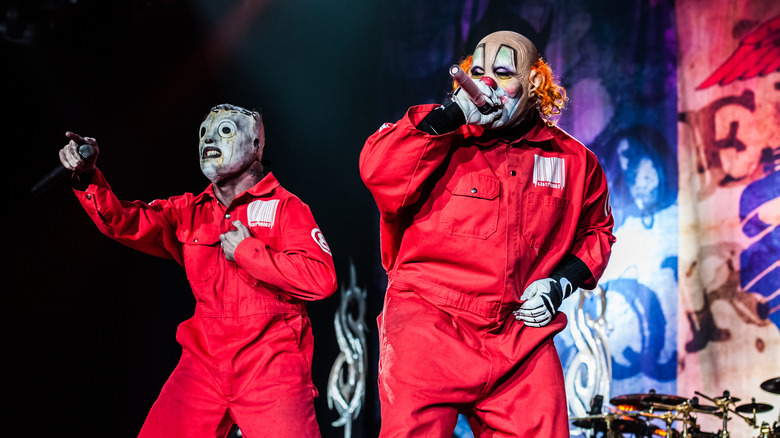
pixel 676 417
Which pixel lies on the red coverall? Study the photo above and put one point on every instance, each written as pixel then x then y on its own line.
pixel 247 351
pixel 468 220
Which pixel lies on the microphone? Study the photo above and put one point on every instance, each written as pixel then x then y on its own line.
pixel 596 405
pixel 468 85
pixel 86 151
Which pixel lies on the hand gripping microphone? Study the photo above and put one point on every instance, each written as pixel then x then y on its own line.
pixel 468 85
pixel 86 151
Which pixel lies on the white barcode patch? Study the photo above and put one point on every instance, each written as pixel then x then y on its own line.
pixel 262 213
pixel 549 172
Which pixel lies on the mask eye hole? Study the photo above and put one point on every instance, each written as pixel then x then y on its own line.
pixel 202 131
pixel 226 129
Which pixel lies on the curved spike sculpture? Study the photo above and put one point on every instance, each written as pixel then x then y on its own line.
pixel 590 371
pixel 347 380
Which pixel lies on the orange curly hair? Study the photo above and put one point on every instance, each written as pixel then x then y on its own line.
pixel 550 96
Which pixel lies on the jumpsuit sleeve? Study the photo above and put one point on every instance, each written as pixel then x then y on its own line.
pixel 144 227
pixel 397 160
pixel 594 239
pixel 299 263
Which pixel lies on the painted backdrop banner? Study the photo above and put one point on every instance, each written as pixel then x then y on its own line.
pixel 729 149
pixel 618 62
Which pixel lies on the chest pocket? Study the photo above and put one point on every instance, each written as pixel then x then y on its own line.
pixel 201 253
pixel 472 210
pixel 544 220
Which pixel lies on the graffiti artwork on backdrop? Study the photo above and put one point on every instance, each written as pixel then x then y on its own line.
pixel 729 131
pixel 735 150
pixel 620 109
pixel 641 169
pixel 641 279
pixel 760 273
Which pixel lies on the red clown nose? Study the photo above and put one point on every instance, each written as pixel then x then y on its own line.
pixel 490 82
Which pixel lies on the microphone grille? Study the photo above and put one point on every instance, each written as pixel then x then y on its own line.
pixel 86 151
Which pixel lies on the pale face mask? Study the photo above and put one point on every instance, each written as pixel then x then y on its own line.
pixel 227 144
pixel 507 57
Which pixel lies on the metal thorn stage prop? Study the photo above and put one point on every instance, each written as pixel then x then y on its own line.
pixel 590 371
pixel 347 381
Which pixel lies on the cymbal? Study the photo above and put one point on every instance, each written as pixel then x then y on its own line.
pixel 643 401
pixel 749 408
pixel 621 425
pixel 772 385
pixel 704 408
pixel 699 434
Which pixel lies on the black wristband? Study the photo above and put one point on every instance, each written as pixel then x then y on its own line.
pixel 442 120
pixel 574 270
pixel 80 181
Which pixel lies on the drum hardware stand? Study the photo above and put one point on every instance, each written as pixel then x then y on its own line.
pixel 755 409
pixel 765 431
pixel 670 417
pixel 772 386
pixel 684 410
pixel 723 404
pixel 753 422
pixel 608 419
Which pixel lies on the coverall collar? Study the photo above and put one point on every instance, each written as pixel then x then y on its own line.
pixel 513 136
pixel 263 187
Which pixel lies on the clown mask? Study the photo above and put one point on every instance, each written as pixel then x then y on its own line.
pixel 231 140
pixel 506 58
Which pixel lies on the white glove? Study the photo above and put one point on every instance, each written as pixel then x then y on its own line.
pixel 471 112
pixel 542 299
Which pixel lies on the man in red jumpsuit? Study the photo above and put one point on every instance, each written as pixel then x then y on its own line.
pixel 253 255
pixel 487 222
